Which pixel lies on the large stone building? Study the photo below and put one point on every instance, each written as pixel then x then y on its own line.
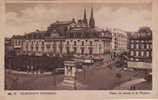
pixel 66 37
pixel 119 41
pixel 140 49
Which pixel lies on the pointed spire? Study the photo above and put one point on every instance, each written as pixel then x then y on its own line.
pixel 91 12
pixel 84 12
pixel 85 17
pixel 92 22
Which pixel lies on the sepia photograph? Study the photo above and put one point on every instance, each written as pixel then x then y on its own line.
pixel 78 46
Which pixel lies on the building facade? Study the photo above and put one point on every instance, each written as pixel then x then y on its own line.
pixel 119 41
pixel 140 50
pixel 66 38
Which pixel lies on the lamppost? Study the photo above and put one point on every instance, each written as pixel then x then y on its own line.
pixel 54 76
pixel 75 83
pixel 84 72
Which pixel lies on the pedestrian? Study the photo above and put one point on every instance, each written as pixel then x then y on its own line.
pixel 118 75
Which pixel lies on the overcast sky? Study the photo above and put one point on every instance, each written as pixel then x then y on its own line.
pixel 24 18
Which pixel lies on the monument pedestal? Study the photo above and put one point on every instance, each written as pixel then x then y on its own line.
pixel 69 81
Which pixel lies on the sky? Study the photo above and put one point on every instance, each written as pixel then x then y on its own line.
pixel 24 18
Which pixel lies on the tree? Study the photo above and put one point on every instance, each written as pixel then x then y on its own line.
pixel 145 29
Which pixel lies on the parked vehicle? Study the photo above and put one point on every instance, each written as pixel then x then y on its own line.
pixel 88 61
pixel 59 71
pixel 98 59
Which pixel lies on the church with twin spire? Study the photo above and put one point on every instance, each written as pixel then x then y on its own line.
pixel 91 20
pixel 84 21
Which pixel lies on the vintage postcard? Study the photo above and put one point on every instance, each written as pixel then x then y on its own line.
pixel 61 48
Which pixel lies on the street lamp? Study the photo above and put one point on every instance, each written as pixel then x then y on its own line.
pixel 75 83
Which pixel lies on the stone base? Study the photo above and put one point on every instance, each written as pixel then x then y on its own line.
pixel 67 84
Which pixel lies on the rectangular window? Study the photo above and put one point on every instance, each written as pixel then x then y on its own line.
pixel 36 48
pixel 150 53
pixel 147 46
pixel 27 45
pixel 137 53
pixel 61 47
pixel 91 43
pixel 150 46
pixel 142 53
pixel 90 51
pixel 54 49
pixel 67 42
pixel 137 46
pixel 142 41
pixel 82 50
pixel 142 46
pixel 75 50
pixel 48 46
pixel 75 43
pixel 42 47
pixel 82 43
pixel 132 46
pixel 31 47
pixel 131 59
pixel 68 50
pixel 54 44
pixel 37 45
pixel 132 53
pixel 147 53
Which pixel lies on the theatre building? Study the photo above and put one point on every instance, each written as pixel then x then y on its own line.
pixel 73 37
pixel 140 49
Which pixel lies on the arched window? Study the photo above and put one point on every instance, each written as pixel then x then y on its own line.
pixel 42 47
pixel 37 45
pixel 27 45
pixel 75 43
pixel 91 43
pixel 82 43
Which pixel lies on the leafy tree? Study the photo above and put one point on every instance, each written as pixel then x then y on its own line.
pixel 145 29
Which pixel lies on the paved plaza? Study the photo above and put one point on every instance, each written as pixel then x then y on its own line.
pixel 94 77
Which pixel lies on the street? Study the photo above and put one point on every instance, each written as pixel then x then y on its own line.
pixel 126 85
pixel 94 77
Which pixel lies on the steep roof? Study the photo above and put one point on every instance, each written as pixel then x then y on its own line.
pixel 63 22
pixel 141 35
